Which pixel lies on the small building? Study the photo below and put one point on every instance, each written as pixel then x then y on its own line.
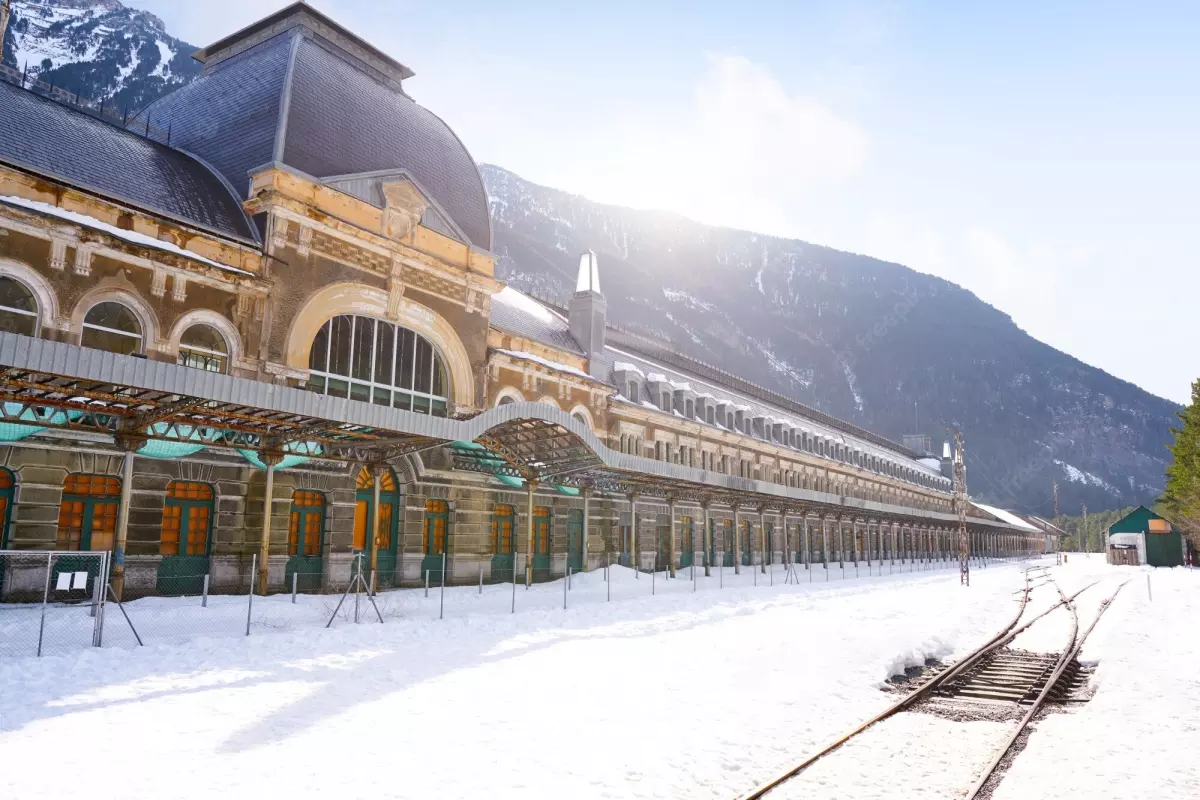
pixel 1143 537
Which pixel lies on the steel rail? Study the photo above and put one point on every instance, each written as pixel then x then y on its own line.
pixel 794 769
pixel 1068 655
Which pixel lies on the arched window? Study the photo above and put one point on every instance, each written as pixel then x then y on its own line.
pixel 18 308
pixel 113 327
pixel 378 362
pixel 7 487
pixel 87 517
pixel 307 523
pixel 364 522
pixel 187 519
pixel 505 400
pixel 502 529
pixel 202 347
pixel 437 519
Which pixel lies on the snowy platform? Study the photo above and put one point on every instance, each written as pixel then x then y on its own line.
pixel 682 694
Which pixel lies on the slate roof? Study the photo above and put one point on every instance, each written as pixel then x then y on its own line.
pixel 523 315
pixel 510 312
pixel 339 118
pixel 51 139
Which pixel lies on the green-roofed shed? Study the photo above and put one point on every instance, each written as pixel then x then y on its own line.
pixel 1155 539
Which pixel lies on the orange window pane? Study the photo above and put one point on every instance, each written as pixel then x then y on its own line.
pixel 312 534
pixel 70 525
pixel 104 526
pixel 364 481
pixel 308 499
pixel 387 481
pixel 435 535
pixel 6 479
pixel 385 526
pixel 184 490
pixel 361 512
pixel 436 506
pixel 197 535
pixel 171 525
pixel 294 534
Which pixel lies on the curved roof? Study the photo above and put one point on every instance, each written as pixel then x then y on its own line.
pixel 302 100
pixel 62 143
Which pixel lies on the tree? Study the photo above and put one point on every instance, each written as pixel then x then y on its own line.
pixel 1181 499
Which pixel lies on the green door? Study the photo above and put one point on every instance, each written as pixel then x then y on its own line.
pixel 686 547
pixel 434 540
pixel 769 533
pixel 186 539
pixel 730 546
pixel 306 535
pixel 747 549
pixel 664 547
pixel 503 542
pixel 541 543
pixel 575 539
pixel 387 533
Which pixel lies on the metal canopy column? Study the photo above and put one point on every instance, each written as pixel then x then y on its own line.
pixel 707 539
pixel 762 539
pixel 671 555
pixel 583 545
pixel 271 459
pixel 530 486
pixel 129 445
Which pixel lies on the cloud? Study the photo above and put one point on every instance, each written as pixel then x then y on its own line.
pixel 743 152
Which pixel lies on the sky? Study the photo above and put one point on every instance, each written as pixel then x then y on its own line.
pixel 1040 154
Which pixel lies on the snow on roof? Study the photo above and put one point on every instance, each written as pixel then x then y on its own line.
pixel 623 366
pixel 656 377
pixel 1004 516
pixel 681 387
pixel 132 237
pixel 705 396
pixel 545 362
pixel 523 302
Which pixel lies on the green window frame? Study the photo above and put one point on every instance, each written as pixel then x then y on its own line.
pixel 192 510
pixel 307 516
pixel 437 527
pixel 8 492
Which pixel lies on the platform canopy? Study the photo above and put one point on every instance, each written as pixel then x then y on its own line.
pixel 54 385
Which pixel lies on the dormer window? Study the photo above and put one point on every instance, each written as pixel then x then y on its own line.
pixel 665 402
pixel 690 409
pixel 710 414
pixel 634 394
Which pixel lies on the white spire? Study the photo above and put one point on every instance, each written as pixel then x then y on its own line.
pixel 589 273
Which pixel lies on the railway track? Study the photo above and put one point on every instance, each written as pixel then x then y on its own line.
pixel 991 673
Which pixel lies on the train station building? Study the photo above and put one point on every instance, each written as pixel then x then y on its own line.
pixel 259 323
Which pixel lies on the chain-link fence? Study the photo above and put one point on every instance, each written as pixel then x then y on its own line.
pixel 50 602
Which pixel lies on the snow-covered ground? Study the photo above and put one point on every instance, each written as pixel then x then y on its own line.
pixel 683 694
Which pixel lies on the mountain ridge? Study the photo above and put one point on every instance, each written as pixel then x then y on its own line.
pixel 857 337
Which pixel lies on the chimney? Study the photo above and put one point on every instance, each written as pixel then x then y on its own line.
pixel 587 311
pixel 947 461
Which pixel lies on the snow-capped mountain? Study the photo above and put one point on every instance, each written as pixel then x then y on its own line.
pixel 884 346
pixel 99 49
pixel 876 343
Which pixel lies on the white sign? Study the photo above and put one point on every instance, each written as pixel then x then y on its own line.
pixel 64 582
pixel 79 581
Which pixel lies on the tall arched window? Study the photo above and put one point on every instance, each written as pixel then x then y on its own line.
pixel 187 519
pixel 378 362
pixel 18 308
pixel 113 327
pixel 201 347
pixel 87 517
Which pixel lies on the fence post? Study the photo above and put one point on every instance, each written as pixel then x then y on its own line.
pixel 565 579
pixel 442 599
pixel 608 579
pixel 250 594
pixel 481 578
pixel 721 585
pixel 1149 594
pixel 357 583
pixel 295 576
pixel 427 583
pixel 46 599
pixel 653 573
pixel 204 593
pixel 514 593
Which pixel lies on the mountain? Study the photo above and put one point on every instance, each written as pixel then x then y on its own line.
pixel 98 49
pixel 889 348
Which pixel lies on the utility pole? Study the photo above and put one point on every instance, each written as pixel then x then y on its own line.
pixel 1057 550
pixel 1084 544
pixel 960 503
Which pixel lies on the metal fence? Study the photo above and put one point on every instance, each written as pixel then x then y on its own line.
pixel 52 602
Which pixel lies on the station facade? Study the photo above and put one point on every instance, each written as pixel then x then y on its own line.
pixel 259 323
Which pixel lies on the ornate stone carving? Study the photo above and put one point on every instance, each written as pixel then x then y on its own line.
pixel 405 205
pixel 395 289
pixel 279 232
pixel 158 287
pixel 304 240
pixel 58 253
pixel 179 288
pixel 83 260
